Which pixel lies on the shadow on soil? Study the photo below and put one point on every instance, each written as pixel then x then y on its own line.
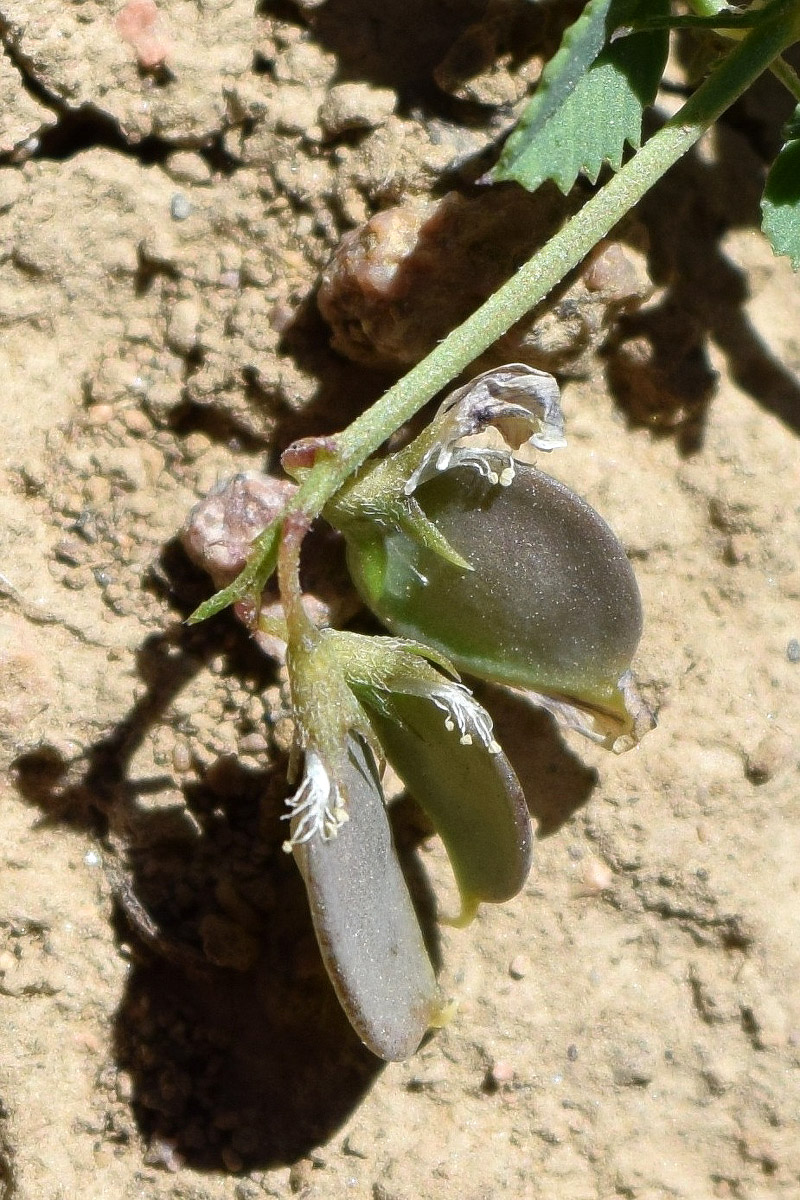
pixel 229 1028
pixel 237 1048
pixel 658 364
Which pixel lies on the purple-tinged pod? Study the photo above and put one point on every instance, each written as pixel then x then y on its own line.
pixel 551 605
pixel 364 920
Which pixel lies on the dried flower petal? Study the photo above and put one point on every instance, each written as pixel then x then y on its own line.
pixel 521 402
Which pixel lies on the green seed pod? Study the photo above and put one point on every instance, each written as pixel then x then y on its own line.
pixel 366 927
pixel 551 604
pixel 440 743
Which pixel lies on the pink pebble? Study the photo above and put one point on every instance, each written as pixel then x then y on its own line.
pixel 139 25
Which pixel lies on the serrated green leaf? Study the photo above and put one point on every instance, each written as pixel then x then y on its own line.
pixel 580 46
pixel 583 114
pixel 780 205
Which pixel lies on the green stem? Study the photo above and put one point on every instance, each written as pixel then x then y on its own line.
pixel 787 76
pixel 783 72
pixel 750 57
pixel 708 8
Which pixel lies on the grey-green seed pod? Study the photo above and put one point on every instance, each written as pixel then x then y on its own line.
pixel 551 604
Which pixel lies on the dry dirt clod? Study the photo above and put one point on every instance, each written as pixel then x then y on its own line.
pixel 350 106
pixel 398 284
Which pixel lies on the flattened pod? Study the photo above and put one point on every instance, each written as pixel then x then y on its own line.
pixel 550 605
pixel 441 745
pixel 366 927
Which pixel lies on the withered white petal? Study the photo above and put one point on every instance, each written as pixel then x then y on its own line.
pixel 317 806
pixel 461 710
pixel 521 402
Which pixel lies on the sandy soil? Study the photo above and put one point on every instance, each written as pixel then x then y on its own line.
pixel 630 1025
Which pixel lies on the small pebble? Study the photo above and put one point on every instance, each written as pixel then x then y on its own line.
pixel 180 207
pixel 253 743
pixel 793 650
pixel 187 167
pixel 300 1175
pixel 572 1052
pixel 596 878
pixel 91 858
pixel 139 25
pixel 182 326
pixel 136 422
pixel 519 966
pixel 772 755
pixel 356 1145
pixel 381 1192
pixel 69 552
pixel 250 1189
pixel 100 414
pixel 501 1073
pixel 350 106
pixel 633 1063
pixel 162 1153
pixel 181 758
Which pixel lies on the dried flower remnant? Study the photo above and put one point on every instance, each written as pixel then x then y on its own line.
pixel 317 808
pixel 521 403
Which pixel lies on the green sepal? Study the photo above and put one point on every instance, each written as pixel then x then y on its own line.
pixel 412 521
pixel 250 582
pixel 377 662
pixel 376 501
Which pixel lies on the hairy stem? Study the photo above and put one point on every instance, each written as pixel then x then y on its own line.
pixel 754 54
pixel 787 76
pixel 707 10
